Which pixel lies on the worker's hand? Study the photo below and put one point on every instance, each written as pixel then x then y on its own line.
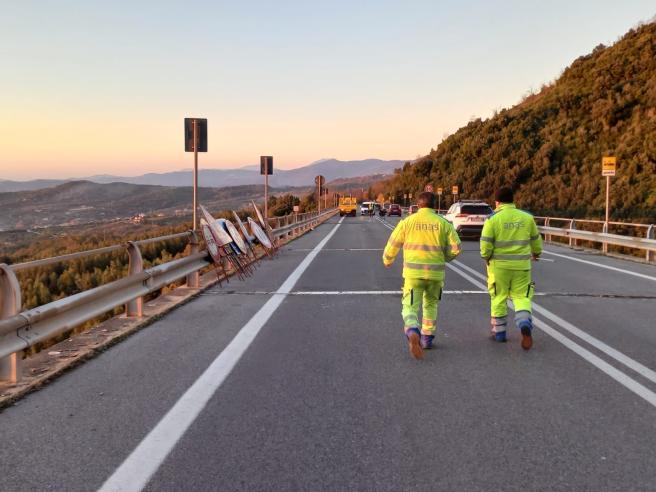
pixel 536 257
pixel 387 265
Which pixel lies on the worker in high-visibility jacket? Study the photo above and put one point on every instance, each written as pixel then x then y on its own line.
pixel 509 241
pixel 428 241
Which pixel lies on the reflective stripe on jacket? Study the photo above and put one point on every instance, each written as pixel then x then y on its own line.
pixel 509 238
pixel 428 241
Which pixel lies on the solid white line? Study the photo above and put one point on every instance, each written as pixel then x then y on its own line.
pixel 608 267
pixel 626 381
pixel 135 472
pixel 595 342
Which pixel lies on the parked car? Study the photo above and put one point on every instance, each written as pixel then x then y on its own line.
pixel 468 217
pixel 395 209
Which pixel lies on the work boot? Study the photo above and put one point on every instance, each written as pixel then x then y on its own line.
pixel 527 340
pixel 414 345
pixel 499 336
pixel 427 341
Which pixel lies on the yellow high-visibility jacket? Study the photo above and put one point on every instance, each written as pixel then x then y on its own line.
pixel 509 238
pixel 428 241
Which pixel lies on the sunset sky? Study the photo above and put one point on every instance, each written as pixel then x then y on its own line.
pixel 103 87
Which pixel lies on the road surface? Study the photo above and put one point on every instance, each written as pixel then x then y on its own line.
pixel 299 379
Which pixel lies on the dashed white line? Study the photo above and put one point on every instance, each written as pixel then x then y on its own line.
pixel 135 472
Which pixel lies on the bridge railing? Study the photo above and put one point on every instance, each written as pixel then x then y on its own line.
pixel 21 329
pixel 572 229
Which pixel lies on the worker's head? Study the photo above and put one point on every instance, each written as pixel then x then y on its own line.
pixel 503 195
pixel 426 200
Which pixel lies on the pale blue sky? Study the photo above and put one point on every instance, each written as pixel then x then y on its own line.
pixel 102 87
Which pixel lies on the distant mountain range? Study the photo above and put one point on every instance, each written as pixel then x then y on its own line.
pixel 331 169
pixel 84 202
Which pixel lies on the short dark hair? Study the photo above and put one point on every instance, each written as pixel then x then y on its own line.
pixel 426 199
pixel 504 195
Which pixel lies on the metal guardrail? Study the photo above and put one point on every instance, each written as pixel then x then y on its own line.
pixel 570 231
pixel 20 330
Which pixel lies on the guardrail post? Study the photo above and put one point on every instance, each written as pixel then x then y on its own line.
pixel 10 305
pixel 604 230
pixel 193 279
pixel 135 306
pixel 651 234
pixel 572 226
pixel 547 237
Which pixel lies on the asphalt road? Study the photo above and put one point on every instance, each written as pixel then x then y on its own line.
pixel 286 382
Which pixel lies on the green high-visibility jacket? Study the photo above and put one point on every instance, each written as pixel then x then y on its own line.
pixel 509 238
pixel 428 241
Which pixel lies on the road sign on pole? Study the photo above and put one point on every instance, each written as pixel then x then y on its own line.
pixel 319 181
pixel 195 131
pixel 429 188
pixel 454 190
pixel 608 165
pixel 266 168
pixel 608 168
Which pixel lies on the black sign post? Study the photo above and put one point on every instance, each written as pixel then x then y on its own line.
pixel 266 168
pixel 319 181
pixel 195 141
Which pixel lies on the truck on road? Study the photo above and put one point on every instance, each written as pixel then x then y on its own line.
pixel 347 206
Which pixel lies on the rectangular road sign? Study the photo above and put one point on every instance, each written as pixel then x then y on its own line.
pixel 440 191
pixel 266 164
pixel 201 136
pixel 608 166
pixel 454 190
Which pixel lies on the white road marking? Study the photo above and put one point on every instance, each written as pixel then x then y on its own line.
pixel 342 249
pixel 626 381
pixel 600 265
pixel 135 472
pixel 372 292
pixel 595 342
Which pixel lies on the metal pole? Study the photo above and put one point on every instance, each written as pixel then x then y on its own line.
pixel 439 203
pixel 605 245
pixel 607 197
pixel 266 196
pixel 195 219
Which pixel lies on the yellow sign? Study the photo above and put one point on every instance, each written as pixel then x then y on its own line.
pixel 608 166
pixel 439 191
pixel 454 190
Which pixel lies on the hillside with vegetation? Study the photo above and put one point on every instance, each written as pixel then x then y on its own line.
pixel 84 202
pixel 549 146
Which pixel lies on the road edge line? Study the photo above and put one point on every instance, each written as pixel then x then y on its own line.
pixel 142 463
